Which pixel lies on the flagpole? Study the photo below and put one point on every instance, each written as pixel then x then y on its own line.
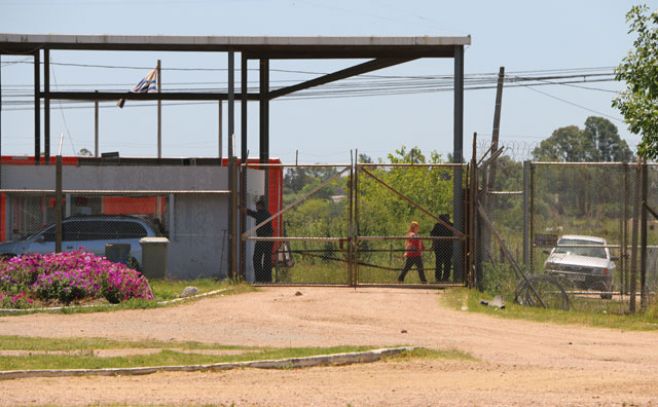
pixel 159 110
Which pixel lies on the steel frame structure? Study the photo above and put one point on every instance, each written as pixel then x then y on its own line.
pixel 381 52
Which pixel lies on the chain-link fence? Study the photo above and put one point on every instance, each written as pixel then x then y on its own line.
pixel 579 217
pixel 92 221
pixel 103 223
pixel 350 224
pixel 652 228
pixel 577 224
pixel 396 202
pixel 304 239
pixel 502 200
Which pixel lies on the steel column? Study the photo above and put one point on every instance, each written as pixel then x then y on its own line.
pixel 46 105
pixel 264 110
pixel 37 107
pixel 58 203
pixel 244 64
pixel 457 157
pixel 232 182
pixel 96 118
pixel 220 124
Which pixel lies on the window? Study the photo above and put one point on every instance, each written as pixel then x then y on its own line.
pixel 49 234
pixel 93 230
pixel 71 231
pixel 585 248
pixel 129 230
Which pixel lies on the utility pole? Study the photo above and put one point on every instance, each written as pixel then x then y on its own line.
pixel 495 135
pixel 490 172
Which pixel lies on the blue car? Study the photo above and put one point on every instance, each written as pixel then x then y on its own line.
pixel 90 233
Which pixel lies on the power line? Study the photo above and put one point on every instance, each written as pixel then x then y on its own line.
pixel 14 91
pixel 305 72
pixel 574 104
pixel 321 94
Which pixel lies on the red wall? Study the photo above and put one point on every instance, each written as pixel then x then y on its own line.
pixel 119 205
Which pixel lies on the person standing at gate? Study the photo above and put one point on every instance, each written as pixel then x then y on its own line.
pixel 442 248
pixel 413 253
pixel 263 248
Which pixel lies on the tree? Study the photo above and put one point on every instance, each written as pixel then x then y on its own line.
pixel 365 159
pixel 598 141
pixel 578 191
pixel 603 137
pixel 639 69
pixel 565 144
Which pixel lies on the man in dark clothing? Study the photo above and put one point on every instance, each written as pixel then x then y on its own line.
pixel 442 249
pixel 263 249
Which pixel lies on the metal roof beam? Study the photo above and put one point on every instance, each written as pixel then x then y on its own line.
pixel 196 96
pixel 365 67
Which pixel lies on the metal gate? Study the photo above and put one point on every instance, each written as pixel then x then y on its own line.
pixel 346 224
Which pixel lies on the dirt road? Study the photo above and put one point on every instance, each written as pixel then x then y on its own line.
pixel 519 362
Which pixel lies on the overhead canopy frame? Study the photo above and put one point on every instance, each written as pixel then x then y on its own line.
pixel 381 52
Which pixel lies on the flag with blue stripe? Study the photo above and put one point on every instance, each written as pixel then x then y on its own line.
pixel 147 85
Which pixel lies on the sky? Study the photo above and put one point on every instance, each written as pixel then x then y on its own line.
pixel 519 35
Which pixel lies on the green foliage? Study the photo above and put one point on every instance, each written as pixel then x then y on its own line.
pixel 381 212
pixel 598 141
pixel 639 69
pixel 499 279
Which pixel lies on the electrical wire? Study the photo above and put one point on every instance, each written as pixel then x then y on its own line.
pixel 61 111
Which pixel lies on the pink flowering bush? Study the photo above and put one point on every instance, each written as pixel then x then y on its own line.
pixel 68 277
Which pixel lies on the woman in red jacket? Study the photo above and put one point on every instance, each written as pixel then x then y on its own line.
pixel 413 253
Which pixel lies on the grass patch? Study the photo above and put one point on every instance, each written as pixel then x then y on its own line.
pixel 424 353
pixel 164 289
pixel 31 343
pixel 166 357
pixel 582 314
pixel 79 353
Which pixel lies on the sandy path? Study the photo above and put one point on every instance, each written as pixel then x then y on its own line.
pixel 520 360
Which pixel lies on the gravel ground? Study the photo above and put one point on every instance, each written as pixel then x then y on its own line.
pixel 520 362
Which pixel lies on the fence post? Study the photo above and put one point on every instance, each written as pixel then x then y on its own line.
pixel 58 203
pixel 643 236
pixel 355 254
pixel 527 247
pixel 636 212
pixel 350 227
pixel 623 255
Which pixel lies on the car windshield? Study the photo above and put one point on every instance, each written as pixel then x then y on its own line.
pixel 581 248
pixel 32 235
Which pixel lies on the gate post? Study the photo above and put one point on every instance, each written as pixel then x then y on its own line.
pixel 457 157
pixel 350 228
pixel 355 225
